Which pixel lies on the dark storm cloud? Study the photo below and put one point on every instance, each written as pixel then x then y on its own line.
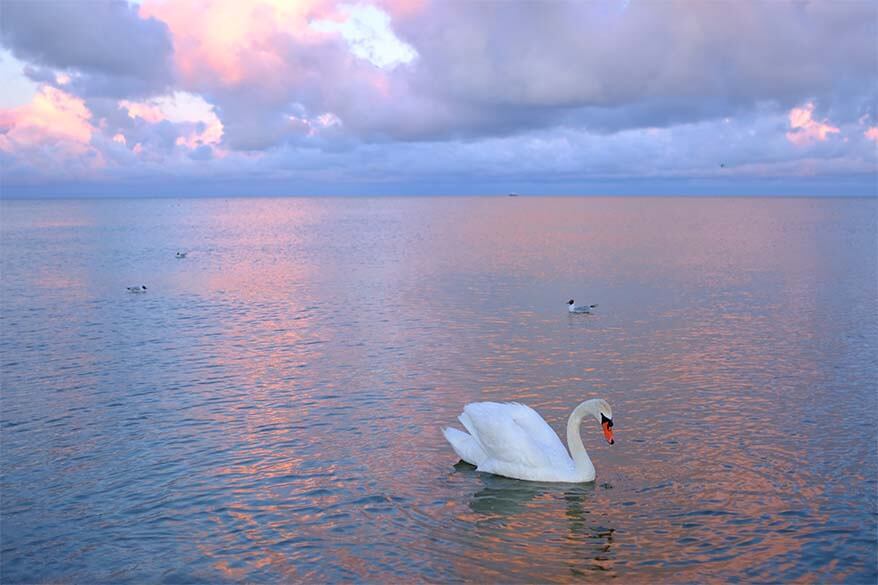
pixel 116 52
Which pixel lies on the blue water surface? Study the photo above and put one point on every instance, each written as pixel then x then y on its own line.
pixel 271 409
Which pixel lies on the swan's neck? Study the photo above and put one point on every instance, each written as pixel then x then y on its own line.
pixel 580 457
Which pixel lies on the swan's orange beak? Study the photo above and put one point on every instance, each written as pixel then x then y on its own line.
pixel 608 431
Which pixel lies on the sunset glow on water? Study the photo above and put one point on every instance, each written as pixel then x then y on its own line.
pixel 271 409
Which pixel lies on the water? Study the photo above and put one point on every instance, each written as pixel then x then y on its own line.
pixel 271 408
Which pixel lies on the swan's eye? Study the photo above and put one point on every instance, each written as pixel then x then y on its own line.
pixel 604 419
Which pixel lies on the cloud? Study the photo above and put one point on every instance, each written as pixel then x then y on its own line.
pixel 225 43
pixel 437 71
pixel 804 129
pixel 52 117
pixel 61 136
pixel 144 111
pixel 324 91
pixel 654 64
pixel 257 62
pixel 368 33
pixel 112 49
pixel 49 137
pixel 195 118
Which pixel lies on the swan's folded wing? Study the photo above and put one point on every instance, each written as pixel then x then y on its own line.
pixel 540 431
pixel 504 438
pixel 466 447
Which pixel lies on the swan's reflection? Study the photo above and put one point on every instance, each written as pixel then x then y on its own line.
pixel 502 496
pixel 510 510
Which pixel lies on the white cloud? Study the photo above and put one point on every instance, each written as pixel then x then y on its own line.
pixel 369 36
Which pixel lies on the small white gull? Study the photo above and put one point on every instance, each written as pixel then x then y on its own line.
pixel 574 308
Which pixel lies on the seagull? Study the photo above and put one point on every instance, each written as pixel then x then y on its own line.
pixel 137 289
pixel 574 308
pixel 181 254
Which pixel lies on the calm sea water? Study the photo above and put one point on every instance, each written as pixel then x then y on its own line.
pixel 271 408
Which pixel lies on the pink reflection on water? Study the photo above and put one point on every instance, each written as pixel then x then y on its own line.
pixel 711 353
pixel 252 248
pixel 330 457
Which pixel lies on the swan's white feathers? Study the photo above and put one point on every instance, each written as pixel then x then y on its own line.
pixel 513 440
pixel 534 424
pixel 467 424
pixel 513 437
pixel 465 446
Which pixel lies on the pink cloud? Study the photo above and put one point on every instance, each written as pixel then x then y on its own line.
pixel 52 117
pixel 265 61
pixel 871 133
pixel 52 135
pixel 147 112
pixel 194 117
pixel 235 41
pixel 804 129
pixel 402 8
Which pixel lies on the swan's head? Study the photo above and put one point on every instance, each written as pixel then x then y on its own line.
pixel 607 425
pixel 604 413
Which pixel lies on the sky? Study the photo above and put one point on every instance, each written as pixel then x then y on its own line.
pixel 316 97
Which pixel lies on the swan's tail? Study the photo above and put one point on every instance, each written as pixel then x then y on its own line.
pixel 465 446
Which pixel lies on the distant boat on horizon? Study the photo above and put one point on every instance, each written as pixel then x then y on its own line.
pixel 513 194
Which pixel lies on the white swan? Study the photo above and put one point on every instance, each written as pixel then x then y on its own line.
pixel 574 308
pixel 137 289
pixel 513 440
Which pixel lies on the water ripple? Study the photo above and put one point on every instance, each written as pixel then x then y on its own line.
pixel 271 410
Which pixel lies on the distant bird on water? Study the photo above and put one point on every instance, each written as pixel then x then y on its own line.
pixel 181 254
pixel 574 308
pixel 137 289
